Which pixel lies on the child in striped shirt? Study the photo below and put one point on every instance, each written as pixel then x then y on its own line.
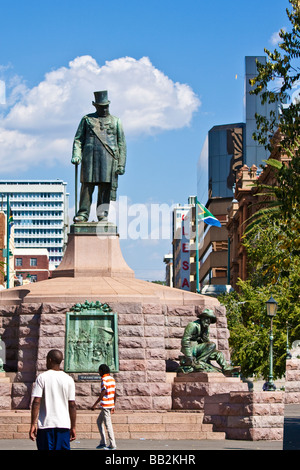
pixel 107 400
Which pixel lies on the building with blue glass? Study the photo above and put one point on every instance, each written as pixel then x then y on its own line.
pixel 226 149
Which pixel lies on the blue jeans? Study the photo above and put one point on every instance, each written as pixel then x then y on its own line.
pixel 53 439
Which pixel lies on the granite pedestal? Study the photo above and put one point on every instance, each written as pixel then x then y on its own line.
pixel 229 406
pixel 151 322
pixel 93 250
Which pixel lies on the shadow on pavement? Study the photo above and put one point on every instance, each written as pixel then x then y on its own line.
pixel 291 433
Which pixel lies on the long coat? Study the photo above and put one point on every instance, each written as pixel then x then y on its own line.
pixel 100 147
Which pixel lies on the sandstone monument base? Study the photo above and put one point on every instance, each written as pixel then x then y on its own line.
pixel 93 250
pixel 292 381
pixel 229 406
pixel 151 322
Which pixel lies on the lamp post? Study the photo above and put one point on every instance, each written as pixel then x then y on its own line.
pixel 288 354
pixel 271 312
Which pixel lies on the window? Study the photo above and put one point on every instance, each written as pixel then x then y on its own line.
pixel 19 261
pixel 33 261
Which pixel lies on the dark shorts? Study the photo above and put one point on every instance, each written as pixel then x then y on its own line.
pixel 53 439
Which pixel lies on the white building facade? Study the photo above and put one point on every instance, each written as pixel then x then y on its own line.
pixel 40 214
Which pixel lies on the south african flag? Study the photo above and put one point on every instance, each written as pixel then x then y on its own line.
pixel 206 216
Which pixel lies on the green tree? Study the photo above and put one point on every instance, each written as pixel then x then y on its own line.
pixel 272 239
pixel 274 269
pixel 276 82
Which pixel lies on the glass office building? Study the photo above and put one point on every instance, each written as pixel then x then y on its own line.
pixel 40 214
pixel 221 158
pixel 225 158
pixel 228 147
pixel 255 153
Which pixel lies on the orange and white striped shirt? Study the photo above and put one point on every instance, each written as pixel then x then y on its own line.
pixel 108 383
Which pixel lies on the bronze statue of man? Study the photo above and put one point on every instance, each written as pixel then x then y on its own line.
pixel 100 146
pixel 198 350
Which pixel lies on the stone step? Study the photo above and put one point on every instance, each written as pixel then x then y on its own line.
pixel 127 425
pixel 205 377
pixel 5 394
pixel 4 378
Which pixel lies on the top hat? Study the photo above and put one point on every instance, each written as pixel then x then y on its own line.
pixel 101 98
pixel 207 313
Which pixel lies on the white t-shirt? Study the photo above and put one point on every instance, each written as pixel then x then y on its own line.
pixel 56 388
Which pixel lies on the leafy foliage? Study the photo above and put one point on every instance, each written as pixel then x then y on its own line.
pixel 272 239
pixel 282 70
pixel 274 269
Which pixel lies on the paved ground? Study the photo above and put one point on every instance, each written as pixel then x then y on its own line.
pixel 291 441
pixel 291 438
pixel 140 445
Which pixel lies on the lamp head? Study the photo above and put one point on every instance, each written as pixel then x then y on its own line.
pixel 271 307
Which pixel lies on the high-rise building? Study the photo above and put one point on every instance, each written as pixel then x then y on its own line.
pixel 40 213
pixel 255 153
pixel 226 149
pixel 226 152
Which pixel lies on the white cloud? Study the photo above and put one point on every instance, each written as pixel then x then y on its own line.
pixel 40 123
pixel 2 92
pixel 295 98
pixel 275 38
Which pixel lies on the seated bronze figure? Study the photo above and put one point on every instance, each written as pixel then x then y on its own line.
pixel 199 351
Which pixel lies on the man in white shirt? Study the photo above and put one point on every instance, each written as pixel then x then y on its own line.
pixel 53 410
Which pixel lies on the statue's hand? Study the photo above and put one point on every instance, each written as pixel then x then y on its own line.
pixel 188 360
pixel 120 170
pixel 75 160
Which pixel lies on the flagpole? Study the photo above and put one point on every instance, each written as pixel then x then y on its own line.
pixel 197 247
pixel 7 242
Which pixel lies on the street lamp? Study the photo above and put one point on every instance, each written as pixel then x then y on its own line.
pixel 271 312
pixel 288 354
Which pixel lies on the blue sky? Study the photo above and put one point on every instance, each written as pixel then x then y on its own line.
pixel 173 70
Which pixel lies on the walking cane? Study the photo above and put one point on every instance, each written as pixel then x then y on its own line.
pixel 76 177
